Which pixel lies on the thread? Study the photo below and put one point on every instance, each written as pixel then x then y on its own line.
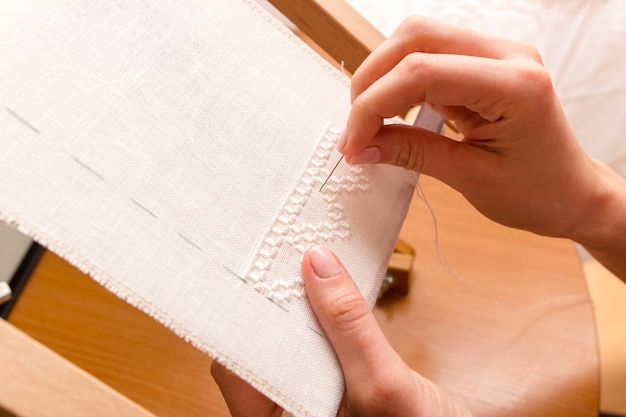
pixel 141 206
pixel 22 120
pixel 191 242
pixel 88 168
pixel 554 301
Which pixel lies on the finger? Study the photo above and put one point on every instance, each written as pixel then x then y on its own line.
pixel 420 34
pixel 242 400
pixel 485 86
pixel 429 153
pixel 464 119
pixel 346 319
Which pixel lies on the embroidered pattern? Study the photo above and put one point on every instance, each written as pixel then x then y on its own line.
pixel 290 229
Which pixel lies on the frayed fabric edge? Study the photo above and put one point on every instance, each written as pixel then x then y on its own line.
pixel 123 292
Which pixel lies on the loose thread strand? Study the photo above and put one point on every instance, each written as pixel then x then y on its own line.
pixel 446 264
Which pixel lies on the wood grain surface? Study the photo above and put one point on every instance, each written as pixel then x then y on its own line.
pixel 38 383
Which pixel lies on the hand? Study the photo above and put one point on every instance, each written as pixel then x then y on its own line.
pixel 519 162
pixel 378 382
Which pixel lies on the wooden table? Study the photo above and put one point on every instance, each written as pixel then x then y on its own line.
pixel 508 328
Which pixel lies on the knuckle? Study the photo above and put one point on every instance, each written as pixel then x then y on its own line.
pixel 358 83
pixel 535 76
pixel 426 69
pixel 348 312
pixel 530 52
pixel 408 155
pixel 416 27
pixel 360 103
pixel 415 64
pixel 521 49
pixel 411 24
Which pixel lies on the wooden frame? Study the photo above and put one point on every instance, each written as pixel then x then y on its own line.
pixel 335 26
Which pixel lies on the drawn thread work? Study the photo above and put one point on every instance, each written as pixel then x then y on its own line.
pixel 288 229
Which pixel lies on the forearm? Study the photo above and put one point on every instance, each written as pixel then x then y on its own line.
pixel 603 231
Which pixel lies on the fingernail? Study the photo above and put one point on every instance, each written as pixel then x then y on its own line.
pixel 343 138
pixel 366 156
pixel 324 263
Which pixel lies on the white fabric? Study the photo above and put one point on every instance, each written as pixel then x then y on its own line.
pixel 176 151
pixel 582 42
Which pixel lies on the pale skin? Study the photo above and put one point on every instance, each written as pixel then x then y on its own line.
pixel 519 164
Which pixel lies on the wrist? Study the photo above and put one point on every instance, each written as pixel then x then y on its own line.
pixel 601 228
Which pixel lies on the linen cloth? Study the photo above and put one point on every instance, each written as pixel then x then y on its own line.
pixel 180 152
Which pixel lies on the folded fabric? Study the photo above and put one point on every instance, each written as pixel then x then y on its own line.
pixel 182 154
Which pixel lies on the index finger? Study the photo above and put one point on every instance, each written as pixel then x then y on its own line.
pixel 488 87
pixel 421 34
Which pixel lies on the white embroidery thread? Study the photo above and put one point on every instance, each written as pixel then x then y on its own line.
pixel 285 230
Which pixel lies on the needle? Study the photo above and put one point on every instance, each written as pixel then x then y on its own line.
pixel 331 173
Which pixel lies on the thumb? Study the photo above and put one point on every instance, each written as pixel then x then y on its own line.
pixel 378 382
pixel 417 149
pixel 362 349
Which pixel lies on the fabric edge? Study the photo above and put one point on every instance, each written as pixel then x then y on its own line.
pixel 124 293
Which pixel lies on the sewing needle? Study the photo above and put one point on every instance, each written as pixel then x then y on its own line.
pixel 331 173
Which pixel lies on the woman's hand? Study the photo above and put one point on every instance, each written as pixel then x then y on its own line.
pixel 378 382
pixel 519 162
